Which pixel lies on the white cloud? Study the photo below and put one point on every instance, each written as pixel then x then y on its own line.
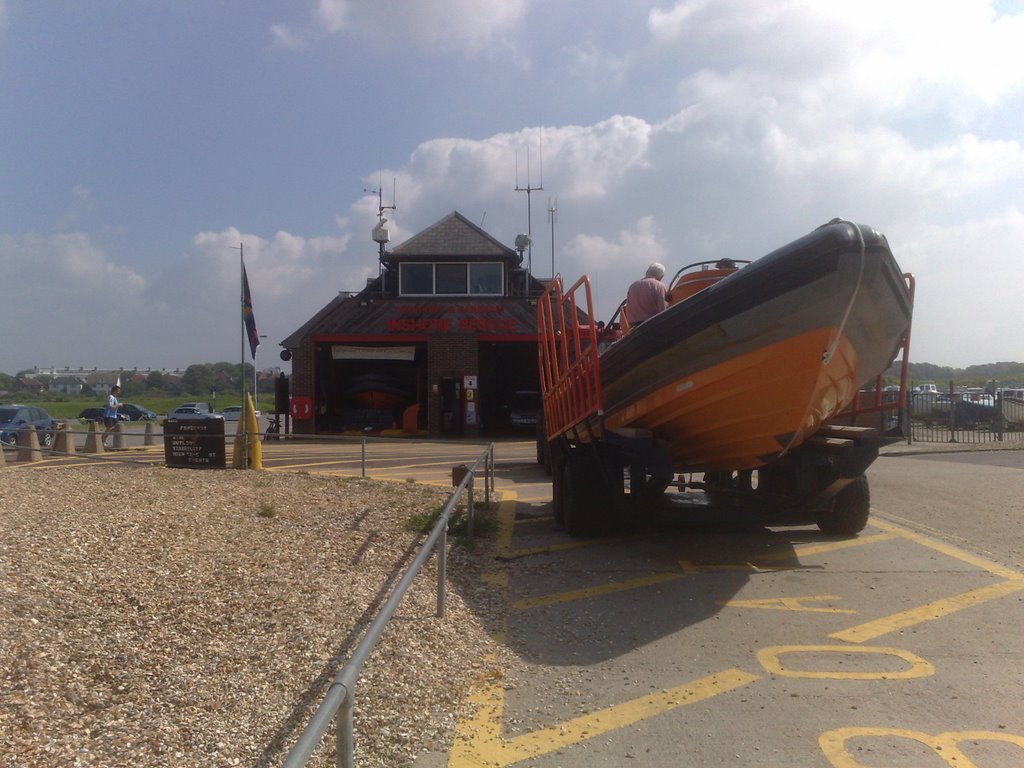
pixel 629 250
pixel 70 300
pixel 284 36
pixel 445 26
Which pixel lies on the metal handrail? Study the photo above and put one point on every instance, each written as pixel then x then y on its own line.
pixel 339 701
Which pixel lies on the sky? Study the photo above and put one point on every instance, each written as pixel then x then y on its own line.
pixel 141 143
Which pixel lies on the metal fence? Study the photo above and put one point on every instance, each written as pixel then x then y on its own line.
pixel 938 417
pixel 339 700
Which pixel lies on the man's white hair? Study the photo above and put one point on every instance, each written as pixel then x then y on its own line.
pixel 656 270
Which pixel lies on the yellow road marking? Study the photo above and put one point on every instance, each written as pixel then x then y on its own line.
pixel 565 546
pixel 479 742
pixel 916 666
pixel 587 592
pixel 944 745
pixel 950 550
pixel 832 546
pixel 788 604
pixel 933 610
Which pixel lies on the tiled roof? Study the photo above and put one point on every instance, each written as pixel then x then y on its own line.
pixel 454 235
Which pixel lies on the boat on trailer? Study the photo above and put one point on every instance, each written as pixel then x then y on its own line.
pixel 752 379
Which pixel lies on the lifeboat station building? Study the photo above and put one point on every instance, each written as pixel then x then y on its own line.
pixel 442 343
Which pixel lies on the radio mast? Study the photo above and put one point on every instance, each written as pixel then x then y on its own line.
pixel 528 189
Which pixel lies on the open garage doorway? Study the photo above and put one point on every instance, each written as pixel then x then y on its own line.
pixel 509 386
pixel 370 388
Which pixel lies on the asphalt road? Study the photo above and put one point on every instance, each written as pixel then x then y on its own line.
pixel 698 642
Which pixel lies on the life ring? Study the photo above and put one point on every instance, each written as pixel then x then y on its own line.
pixel 301 408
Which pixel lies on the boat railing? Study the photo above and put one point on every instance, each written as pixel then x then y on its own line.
pixel 695 277
pixel 570 377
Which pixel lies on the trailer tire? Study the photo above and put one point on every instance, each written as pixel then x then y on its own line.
pixel 558 491
pixel 581 496
pixel 847 513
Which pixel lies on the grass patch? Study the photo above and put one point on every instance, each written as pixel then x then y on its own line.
pixel 266 510
pixel 458 522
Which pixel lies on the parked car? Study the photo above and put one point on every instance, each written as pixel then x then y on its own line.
pixel 201 407
pixel 523 408
pixel 13 417
pixel 193 411
pixel 234 413
pixel 137 412
pixel 96 414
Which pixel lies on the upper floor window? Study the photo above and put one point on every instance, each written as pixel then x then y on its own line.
pixel 451 279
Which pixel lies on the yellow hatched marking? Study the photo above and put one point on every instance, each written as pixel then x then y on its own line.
pixel 933 610
pixel 788 604
pixel 479 742
pixel 951 551
pixel 833 546
pixel 565 546
pixel 587 592
pixel 790 557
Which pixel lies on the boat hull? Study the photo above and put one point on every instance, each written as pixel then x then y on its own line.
pixel 744 371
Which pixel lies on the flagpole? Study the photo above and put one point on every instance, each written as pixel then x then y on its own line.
pixel 243 421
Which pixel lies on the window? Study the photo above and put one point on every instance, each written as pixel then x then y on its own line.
pixel 451 279
pixel 485 279
pixel 416 279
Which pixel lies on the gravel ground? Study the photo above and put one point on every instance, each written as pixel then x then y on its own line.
pixel 155 617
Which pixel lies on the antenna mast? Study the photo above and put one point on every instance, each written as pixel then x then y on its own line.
pixel 552 218
pixel 380 233
pixel 528 189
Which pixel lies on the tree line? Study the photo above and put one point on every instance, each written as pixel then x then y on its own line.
pixel 200 379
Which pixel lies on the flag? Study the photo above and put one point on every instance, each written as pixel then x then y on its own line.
pixel 247 316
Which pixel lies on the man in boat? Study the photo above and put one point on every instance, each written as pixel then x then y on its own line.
pixel 646 297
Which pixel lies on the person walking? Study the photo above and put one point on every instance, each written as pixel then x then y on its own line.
pixel 111 412
pixel 646 297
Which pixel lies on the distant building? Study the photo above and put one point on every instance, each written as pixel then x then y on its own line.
pixel 67 385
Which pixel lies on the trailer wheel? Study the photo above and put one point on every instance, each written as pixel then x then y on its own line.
pixel 543 446
pixel 581 496
pixel 558 491
pixel 848 512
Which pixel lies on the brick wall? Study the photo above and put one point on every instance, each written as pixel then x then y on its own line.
pixel 453 355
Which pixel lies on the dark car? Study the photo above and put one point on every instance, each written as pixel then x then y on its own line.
pixel 14 417
pixel 523 409
pixel 96 414
pixel 137 412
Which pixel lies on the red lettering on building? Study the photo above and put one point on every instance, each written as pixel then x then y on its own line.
pixel 488 324
pixel 419 325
